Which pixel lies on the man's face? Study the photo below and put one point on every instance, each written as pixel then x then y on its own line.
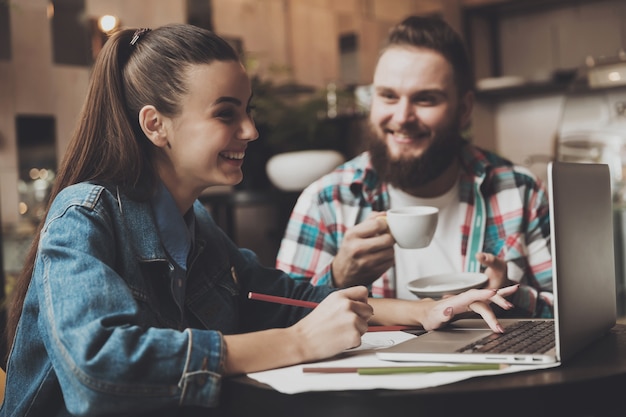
pixel 416 116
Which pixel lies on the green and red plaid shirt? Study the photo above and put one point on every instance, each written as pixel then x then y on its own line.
pixel 506 210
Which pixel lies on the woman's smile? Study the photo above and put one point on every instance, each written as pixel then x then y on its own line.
pixel 235 158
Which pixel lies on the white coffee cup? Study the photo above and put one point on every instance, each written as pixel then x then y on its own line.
pixel 413 227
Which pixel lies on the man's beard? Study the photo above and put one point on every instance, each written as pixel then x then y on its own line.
pixel 407 173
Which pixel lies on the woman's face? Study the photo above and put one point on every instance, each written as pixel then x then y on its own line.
pixel 207 141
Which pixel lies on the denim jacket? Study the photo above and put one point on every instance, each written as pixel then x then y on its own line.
pixel 101 332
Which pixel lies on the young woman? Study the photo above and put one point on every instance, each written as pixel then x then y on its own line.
pixel 132 301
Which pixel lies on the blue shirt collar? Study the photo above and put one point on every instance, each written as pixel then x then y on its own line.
pixel 176 231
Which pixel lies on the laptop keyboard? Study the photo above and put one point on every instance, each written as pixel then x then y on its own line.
pixel 520 337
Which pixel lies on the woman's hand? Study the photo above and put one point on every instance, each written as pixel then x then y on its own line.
pixel 336 324
pixel 475 300
pixel 433 314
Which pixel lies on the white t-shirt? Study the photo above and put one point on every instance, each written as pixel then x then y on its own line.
pixel 443 255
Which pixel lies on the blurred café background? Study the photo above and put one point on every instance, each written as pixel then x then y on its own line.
pixel 551 79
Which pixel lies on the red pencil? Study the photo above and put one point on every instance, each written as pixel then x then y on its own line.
pixel 281 300
pixel 391 328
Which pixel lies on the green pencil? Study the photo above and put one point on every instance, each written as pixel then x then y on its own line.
pixel 424 369
pixel 378 370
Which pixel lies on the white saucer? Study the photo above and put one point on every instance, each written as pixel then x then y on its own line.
pixel 446 284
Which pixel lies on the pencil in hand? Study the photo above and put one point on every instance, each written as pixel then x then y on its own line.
pixel 281 300
pixel 310 304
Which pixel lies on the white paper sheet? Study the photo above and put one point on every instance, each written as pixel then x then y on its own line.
pixel 291 380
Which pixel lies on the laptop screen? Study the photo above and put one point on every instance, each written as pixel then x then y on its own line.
pixel 583 257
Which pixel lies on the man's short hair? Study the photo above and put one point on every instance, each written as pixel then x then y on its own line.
pixel 434 33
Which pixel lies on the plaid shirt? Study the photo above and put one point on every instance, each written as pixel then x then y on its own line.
pixel 506 210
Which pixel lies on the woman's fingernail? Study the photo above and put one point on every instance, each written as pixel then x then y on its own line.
pixel 500 329
pixel 448 311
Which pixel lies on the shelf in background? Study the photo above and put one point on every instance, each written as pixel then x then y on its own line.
pixel 527 89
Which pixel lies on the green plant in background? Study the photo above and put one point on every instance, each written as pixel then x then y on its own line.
pixel 289 117
pixel 292 121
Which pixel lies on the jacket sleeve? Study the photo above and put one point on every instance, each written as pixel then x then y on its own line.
pixel 105 357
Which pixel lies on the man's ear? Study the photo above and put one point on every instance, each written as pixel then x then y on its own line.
pixel 152 125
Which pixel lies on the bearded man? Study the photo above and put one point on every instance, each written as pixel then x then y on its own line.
pixel 493 215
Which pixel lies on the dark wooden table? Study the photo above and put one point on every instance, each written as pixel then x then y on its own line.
pixel 592 384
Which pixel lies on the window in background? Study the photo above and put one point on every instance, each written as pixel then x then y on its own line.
pixel 5 32
pixel 349 59
pixel 71 33
pixel 199 13
pixel 36 150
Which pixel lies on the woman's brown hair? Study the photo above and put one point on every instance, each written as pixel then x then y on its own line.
pixel 136 67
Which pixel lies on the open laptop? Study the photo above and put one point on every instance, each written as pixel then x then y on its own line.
pixel 583 266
